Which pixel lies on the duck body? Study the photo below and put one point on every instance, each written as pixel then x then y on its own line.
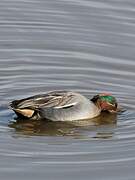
pixel 56 106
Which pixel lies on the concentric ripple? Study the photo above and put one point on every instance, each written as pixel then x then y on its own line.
pixel 79 45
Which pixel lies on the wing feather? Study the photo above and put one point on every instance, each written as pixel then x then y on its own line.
pixel 56 99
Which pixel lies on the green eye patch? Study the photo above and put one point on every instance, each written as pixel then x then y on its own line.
pixel 109 99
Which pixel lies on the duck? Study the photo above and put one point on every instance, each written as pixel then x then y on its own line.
pixel 63 106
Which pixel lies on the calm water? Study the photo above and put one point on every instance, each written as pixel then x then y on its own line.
pixel 82 45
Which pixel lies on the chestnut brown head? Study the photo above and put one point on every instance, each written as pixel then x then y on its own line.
pixel 106 102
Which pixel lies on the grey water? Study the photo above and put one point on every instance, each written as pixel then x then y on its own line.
pixel 86 46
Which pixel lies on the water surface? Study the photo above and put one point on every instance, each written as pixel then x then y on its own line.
pixel 79 45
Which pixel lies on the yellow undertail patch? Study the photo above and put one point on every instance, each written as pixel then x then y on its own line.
pixel 25 112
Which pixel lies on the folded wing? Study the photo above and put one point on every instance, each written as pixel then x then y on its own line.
pixel 29 106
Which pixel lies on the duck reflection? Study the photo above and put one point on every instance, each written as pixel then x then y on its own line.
pixel 99 127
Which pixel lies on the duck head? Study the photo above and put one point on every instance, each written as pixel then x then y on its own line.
pixel 106 102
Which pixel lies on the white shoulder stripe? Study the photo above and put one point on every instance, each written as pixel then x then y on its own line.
pixel 65 106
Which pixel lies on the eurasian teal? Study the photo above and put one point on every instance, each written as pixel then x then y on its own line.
pixel 63 106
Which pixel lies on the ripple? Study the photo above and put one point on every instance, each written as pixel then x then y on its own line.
pixel 84 46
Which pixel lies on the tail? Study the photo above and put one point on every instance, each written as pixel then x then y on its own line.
pixel 14 104
pixel 25 112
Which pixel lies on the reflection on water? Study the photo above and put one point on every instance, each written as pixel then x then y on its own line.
pixel 87 46
pixel 75 128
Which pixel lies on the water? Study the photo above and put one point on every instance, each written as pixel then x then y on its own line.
pixel 80 45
